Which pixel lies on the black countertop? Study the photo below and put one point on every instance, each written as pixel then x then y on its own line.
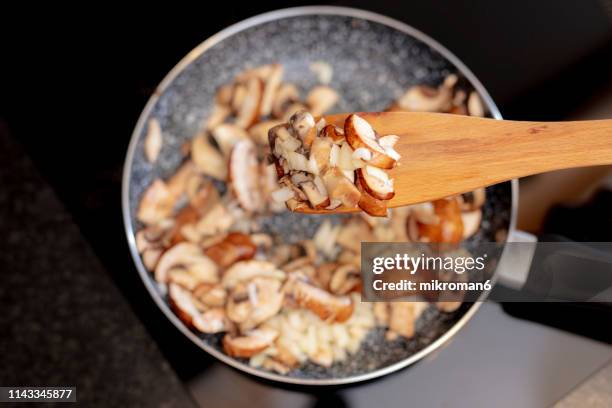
pixel 63 321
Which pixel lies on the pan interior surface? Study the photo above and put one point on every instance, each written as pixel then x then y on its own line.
pixel 373 64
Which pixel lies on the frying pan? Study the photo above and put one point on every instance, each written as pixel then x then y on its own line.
pixel 375 59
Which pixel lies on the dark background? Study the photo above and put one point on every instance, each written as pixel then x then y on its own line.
pixel 73 82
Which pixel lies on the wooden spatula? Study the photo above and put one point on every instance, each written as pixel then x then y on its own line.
pixel 444 154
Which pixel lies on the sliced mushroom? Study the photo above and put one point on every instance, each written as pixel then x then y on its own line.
pixel 301 122
pixel 217 116
pixel 190 257
pixel 335 133
pixel 345 279
pixel 183 221
pixel 371 205
pixel 153 141
pixel 422 98
pixel 215 221
pixel 402 318
pixel 264 300
pixel 227 135
pixel 318 199
pixel 381 313
pixel 156 204
pixel 285 96
pixel 474 105
pixel 359 133
pixel 473 200
pixel 233 248
pixel 320 99
pixel 322 70
pixel 183 303
pixel 208 159
pixel 248 113
pixel 250 344
pixel 348 233
pixel 376 182
pixel 448 306
pixel 243 176
pixel 224 95
pixel 246 270
pixel 320 151
pixel 325 272
pixel 202 193
pixel 259 131
pixel 292 110
pixel 211 295
pixel 272 83
pixel 340 188
pixel 449 229
pixel 325 305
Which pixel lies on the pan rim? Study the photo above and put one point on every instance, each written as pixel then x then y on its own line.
pixel 196 53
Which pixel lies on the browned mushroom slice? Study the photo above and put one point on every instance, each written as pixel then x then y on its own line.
pixel 217 116
pixel 188 216
pixel 318 199
pixel 285 96
pixel 301 122
pixel 259 131
pixel 235 247
pixel 333 132
pixel 227 135
pixel 340 188
pixel 321 99
pixel 202 193
pixel 422 98
pixel 266 300
pixel 211 295
pixel 376 182
pixel 292 110
pixel 359 133
pixel 473 200
pixel 449 229
pixel 250 344
pixel 345 279
pixel 224 95
pixel 243 176
pixel 371 205
pixel 216 220
pixel 156 204
pixel 353 233
pixel 182 302
pixel 324 273
pixel 272 83
pixel 248 112
pixel 238 95
pixel 246 270
pixel 325 305
pixel 153 141
pixel 208 159
pixel 474 105
pixel 320 152
pixel 189 256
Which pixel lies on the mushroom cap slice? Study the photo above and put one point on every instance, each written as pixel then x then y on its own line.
pixel 371 205
pixel 156 204
pixel 243 176
pixel 376 182
pixel 250 343
pixel 183 303
pixel 449 228
pixel 227 135
pixel 325 305
pixel 248 109
pixel 246 270
pixel 340 188
pixel 359 133
pixel 189 256
pixel 233 248
pixel 207 159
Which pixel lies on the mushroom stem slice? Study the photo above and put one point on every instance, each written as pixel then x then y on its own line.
pixel 250 344
pixel 243 176
pixel 376 182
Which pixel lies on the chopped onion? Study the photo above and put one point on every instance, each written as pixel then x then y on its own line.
pixel 320 125
pixel 282 195
pixel 349 174
pixel 334 156
pixel 313 167
pixel 345 160
pixel 297 161
pixel 320 186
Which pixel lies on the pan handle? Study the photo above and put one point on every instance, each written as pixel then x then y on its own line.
pixel 568 271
